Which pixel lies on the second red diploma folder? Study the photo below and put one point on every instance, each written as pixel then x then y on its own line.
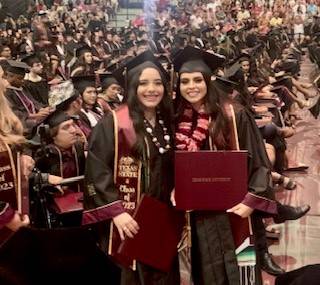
pixel 210 180
pixel 160 231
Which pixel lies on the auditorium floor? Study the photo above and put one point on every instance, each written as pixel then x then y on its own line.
pixel 299 243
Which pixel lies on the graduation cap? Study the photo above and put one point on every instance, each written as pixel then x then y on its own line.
pixel 225 81
pixel 109 31
pixel 31 59
pixel 107 79
pixel 42 13
pixel 231 33
pixel 82 50
pixel 62 95
pixel 206 30
pixel 128 69
pixel 84 81
pixel 192 59
pixel 17 67
pixel 56 118
pixel 155 27
pixel 234 73
pixel 97 29
pixel 69 32
pixel 243 57
pixel 225 84
pixel 112 66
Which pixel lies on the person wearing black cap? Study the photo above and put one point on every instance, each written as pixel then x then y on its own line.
pixel 68 100
pixel 34 83
pixel 62 157
pixel 108 43
pixel 109 99
pixel 72 43
pixel 85 65
pixel 91 112
pixel 139 131
pixel 197 96
pixel 29 111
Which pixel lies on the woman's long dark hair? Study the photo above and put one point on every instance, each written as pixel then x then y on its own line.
pixel 95 108
pixel 214 100
pixel 136 111
pixel 88 69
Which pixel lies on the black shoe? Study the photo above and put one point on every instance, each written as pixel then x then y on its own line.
pixel 273 234
pixel 269 266
pixel 286 213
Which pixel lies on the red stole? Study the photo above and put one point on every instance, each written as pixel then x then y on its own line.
pixel 8 183
pixel 8 177
pixel 127 169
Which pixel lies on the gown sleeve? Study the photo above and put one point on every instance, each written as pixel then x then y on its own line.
pixel 6 214
pixel 18 109
pixel 260 193
pixel 101 198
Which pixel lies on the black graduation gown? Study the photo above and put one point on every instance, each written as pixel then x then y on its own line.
pixel 20 111
pixel 213 251
pixel 99 168
pixel 48 161
pixel 39 91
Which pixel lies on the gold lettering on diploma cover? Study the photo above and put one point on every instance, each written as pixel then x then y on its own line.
pixel 210 179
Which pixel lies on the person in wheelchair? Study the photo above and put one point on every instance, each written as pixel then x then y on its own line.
pixel 62 157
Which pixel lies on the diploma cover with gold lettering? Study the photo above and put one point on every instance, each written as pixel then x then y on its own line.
pixel 210 180
pixel 158 236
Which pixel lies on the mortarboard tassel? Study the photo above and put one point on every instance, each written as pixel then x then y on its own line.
pixel 184 253
pixel 247 275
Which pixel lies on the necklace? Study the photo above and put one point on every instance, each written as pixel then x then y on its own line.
pixel 166 137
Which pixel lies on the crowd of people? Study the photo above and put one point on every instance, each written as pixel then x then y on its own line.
pixel 93 114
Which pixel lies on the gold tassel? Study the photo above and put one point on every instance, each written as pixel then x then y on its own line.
pixel 188 228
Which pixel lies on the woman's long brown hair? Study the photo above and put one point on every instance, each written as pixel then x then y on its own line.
pixel 11 129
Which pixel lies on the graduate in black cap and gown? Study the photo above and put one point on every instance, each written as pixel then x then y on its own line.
pixel 138 137
pixel 85 63
pixel 34 83
pixel 28 110
pixel 63 157
pixel 109 99
pixel 213 258
pixel 91 112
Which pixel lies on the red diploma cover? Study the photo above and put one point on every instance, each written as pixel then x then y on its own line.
pixel 159 234
pixel 69 202
pixel 241 232
pixel 210 180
